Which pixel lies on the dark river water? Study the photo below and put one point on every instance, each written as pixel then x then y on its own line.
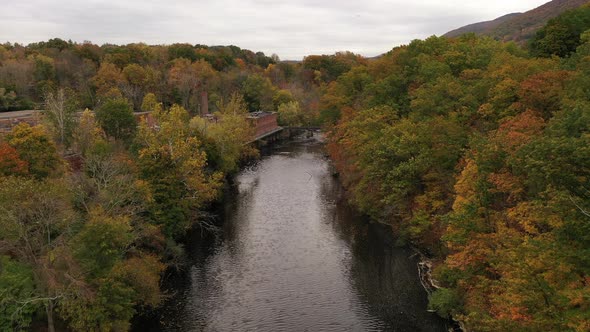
pixel 293 256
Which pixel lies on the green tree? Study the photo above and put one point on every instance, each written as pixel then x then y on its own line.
pixel 116 119
pixel 185 51
pixel 561 35
pixel 117 273
pixel 444 301
pixel 17 287
pixel 258 93
pixel 102 243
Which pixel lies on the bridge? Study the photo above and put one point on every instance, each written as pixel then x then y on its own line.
pixel 267 129
pixel 281 133
pixel 304 128
pixel 272 135
pixel 11 119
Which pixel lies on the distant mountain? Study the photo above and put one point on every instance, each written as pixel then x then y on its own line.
pixel 519 26
pixel 481 27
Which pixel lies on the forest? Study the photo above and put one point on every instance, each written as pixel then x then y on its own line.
pixel 474 150
pixel 478 152
pixel 96 199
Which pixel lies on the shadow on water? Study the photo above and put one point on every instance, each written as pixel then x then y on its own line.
pixel 293 256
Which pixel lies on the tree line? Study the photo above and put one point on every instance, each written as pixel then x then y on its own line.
pixel 180 74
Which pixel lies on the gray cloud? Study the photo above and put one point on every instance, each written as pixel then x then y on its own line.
pixel 290 29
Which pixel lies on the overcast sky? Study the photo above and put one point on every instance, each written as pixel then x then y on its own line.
pixel 290 29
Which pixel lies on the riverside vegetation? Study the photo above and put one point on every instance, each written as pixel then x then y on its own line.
pixel 475 150
pixel 479 152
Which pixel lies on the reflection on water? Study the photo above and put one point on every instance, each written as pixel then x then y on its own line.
pixel 293 257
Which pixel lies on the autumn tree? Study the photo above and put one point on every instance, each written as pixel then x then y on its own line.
pixel 172 160
pixel 135 79
pixel 228 136
pixel 330 67
pixel 36 149
pixel 60 112
pixel 121 283
pixel 108 80
pixel 282 97
pixel 190 80
pixel 36 220
pixel 44 73
pixel 290 114
pixel 10 162
pixel 150 103
pixel 87 132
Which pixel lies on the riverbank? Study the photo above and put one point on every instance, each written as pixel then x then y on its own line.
pixel 425 266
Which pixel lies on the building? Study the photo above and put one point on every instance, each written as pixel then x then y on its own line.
pixel 265 122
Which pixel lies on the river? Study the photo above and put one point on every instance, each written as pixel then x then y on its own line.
pixel 291 255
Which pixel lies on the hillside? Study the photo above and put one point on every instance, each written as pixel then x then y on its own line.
pixel 519 26
pixel 481 27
